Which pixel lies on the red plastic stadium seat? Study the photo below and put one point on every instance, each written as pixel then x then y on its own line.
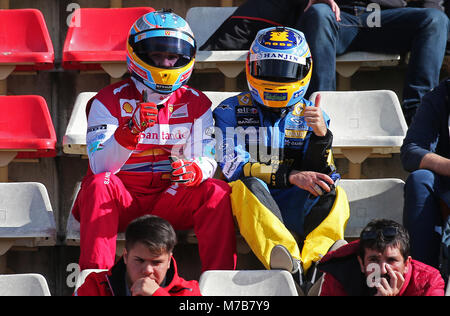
pixel 25 41
pixel 99 37
pixel 26 127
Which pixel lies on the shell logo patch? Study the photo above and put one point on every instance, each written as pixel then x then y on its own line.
pixel 127 107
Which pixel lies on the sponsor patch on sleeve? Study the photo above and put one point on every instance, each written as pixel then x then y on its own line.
pixel 96 128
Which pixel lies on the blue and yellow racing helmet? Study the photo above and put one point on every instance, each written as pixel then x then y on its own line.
pixel 278 67
pixel 161 31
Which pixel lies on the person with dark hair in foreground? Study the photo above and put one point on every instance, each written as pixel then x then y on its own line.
pixel 379 264
pixel 146 268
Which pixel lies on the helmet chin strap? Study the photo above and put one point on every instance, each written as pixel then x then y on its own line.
pixel 152 96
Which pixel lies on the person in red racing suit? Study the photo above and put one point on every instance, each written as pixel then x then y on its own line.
pixel 151 152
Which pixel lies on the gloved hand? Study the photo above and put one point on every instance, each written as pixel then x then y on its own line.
pixel 145 115
pixel 274 174
pixel 185 172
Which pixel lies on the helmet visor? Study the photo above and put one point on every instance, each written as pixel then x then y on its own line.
pixel 171 45
pixel 283 68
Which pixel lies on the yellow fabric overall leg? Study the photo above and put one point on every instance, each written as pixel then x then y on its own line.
pixel 328 232
pixel 259 226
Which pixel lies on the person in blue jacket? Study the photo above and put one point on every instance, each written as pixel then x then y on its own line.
pixel 426 154
pixel 276 152
pixel 420 27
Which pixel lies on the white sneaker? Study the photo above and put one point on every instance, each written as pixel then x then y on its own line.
pixel 281 259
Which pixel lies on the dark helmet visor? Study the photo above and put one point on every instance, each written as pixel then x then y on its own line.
pixel 171 45
pixel 279 70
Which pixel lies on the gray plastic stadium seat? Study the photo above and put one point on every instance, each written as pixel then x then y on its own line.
pixel 247 283
pixel 372 199
pixel 364 123
pixel 23 285
pixel 26 216
pixel 74 140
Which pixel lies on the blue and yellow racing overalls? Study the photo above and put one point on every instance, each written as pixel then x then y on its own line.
pixel 257 149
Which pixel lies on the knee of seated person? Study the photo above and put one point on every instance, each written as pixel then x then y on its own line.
pixel 100 179
pixel 435 18
pixel 317 13
pixel 254 183
pixel 420 177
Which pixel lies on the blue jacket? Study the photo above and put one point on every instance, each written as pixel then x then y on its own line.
pixel 429 133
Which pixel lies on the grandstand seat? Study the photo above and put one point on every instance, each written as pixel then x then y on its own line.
pixel 23 285
pixel 364 124
pixel 25 43
pixel 247 283
pixel 96 39
pixel 26 127
pixel 74 140
pixel 26 216
pixel 204 21
pixel 83 275
pixel 372 199
pixel 26 131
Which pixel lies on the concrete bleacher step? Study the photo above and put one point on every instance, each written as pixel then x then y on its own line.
pixel 204 21
pixel 247 283
pixel 23 285
pixel 364 124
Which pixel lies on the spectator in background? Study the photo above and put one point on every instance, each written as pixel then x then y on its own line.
pixel 426 154
pixel 336 27
pixel 150 152
pixel 146 268
pixel 240 29
pixel 378 264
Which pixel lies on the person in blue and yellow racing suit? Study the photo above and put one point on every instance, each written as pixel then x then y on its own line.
pixel 276 154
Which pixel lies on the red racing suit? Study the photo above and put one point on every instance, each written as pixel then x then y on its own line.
pixel 129 176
